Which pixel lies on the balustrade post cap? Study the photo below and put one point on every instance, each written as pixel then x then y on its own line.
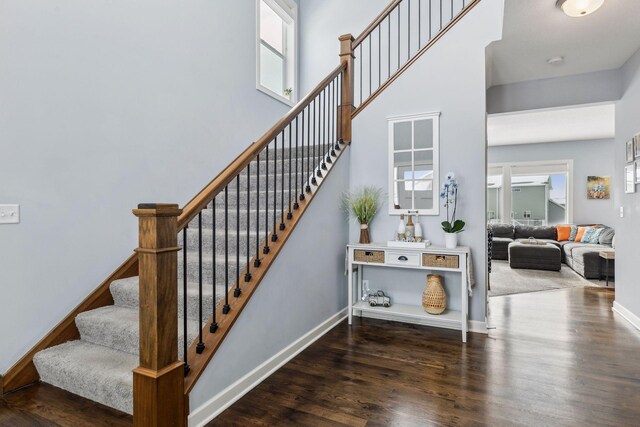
pixel 157 209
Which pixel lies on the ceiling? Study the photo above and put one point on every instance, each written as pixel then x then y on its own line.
pixel 579 123
pixel 536 30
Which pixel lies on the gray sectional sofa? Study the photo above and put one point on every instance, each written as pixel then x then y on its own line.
pixel 583 258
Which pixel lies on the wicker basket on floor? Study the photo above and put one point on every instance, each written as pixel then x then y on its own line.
pixel 434 299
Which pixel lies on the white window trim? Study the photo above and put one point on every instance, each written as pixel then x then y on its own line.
pixel 435 210
pixel 506 181
pixel 290 9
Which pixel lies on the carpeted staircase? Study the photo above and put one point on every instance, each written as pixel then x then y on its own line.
pixel 99 365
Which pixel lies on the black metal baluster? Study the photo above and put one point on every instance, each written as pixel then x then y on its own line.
pixel 360 60
pixel 313 175
pixel 379 54
pixel 237 291
pixel 282 226
pixel 247 276
pixel 419 24
pixel 370 61
pixel 307 188
pixel 304 178
pixel 330 151
pixel 290 214
pixel 226 308
pixel 440 14
pixel 200 345
pixel 334 137
pixel 430 20
pixel 317 141
pixel 256 261
pixel 185 344
pixel 322 120
pixel 214 324
pixel 451 18
pixel 274 236
pixel 341 141
pixel 398 36
pixel 265 250
pixel 389 46
pixel 295 198
pixel 408 29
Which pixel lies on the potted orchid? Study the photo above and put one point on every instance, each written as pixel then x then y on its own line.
pixel 452 226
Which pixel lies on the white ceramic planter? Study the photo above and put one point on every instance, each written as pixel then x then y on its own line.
pixel 451 240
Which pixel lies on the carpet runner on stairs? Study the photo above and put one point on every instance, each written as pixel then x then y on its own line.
pixel 99 365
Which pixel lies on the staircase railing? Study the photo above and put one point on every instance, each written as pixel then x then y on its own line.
pixel 258 198
pixel 396 39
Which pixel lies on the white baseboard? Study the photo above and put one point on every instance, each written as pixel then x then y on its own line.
pixel 626 314
pixel 218 403
pixel 478 327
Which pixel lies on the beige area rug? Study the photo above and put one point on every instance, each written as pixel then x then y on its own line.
pixel 508 281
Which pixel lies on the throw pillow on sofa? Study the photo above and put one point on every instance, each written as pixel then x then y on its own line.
pixel 564 232
pixel 581 231
pixel 592 235
pixel 607 236
pixel 574 233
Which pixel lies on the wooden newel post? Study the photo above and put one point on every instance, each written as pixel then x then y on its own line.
pixel 158 383
pixel 346 103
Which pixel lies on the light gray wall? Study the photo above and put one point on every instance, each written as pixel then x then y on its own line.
pixel 627 228
pixel 450 79
pixel 103 105
pixel 301 291
pixel 589 158
pixel 578 89
pixel 322 22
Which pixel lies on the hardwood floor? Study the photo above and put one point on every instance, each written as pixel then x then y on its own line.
pixel 45 405
pixel 556 358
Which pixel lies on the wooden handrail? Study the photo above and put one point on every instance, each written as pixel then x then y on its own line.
pixel 417 56
pixel 202 199
pixel 383 15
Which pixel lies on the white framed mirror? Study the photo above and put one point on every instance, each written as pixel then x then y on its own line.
pixel 413 164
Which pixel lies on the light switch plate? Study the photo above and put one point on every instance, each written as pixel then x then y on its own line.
pixel 9 214
pixel 621 211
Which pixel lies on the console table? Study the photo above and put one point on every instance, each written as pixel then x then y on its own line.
pixel 432 258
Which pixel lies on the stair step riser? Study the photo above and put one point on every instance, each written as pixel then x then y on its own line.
pixel 126 295
pixel 193 273
pixel 264 217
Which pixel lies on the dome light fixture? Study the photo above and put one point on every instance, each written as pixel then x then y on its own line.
pixel 579 8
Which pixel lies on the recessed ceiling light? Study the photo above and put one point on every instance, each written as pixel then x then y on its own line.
pixel 556 60
pixel 578 8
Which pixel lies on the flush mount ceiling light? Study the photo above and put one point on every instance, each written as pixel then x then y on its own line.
pixel 556 60
pixel 578 8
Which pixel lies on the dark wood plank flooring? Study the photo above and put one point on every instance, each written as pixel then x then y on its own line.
pixel 556 358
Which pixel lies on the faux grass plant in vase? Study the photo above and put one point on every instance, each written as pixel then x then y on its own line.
pixel 362 205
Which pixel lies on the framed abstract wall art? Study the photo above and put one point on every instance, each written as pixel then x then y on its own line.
pixel 598 187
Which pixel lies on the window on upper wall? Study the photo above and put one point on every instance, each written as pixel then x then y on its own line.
pixel 276 49
pixel 413 164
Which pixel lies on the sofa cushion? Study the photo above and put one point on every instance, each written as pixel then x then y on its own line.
pixel 502 230
pixel 570 247
pixel 564 231
pixel 607 235
pixel 540 232
pixel 592 235
pixel 574 233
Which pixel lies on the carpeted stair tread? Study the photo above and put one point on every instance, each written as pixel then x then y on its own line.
pixel 118 328
pixel 125 294
pixel 98 373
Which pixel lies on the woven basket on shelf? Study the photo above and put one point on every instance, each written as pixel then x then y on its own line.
pixel 434 299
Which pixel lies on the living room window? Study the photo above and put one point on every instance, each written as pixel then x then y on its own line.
pixel 532 193
pixel 276 49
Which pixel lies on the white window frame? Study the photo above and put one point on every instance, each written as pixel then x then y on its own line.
pixel 435 118
pixel 288 11
pixel 549 167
